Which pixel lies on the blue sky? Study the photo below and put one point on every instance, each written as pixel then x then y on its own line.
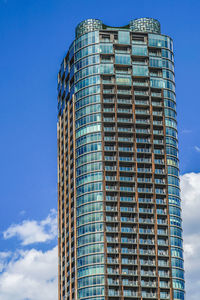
pixel 34 37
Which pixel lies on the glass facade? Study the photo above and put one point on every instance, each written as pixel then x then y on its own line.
pixel 119 206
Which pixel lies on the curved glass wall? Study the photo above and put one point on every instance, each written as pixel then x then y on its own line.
pixel 166 62
pixel 89 176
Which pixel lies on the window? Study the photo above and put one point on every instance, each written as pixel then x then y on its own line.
pixel 139 50
pixel 123 59
pixel 140 71
pixel 124 37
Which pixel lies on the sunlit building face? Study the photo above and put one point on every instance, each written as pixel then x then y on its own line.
pixel 119 207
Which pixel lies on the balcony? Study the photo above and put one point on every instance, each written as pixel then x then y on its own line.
pixel 125 139
pixel 108 91
pixel 109 129
pixel 140 83
pixel 157 104
pixel 125 92
pixel 129 251
pixel 124 101
pixel 161 201
pixel 163 263
pixel 113 282
pixel 142 121
pixel 163 274
pixel 158 151
pixel 144 180
pixel 143 150
pixel 162 253
pixel 143 131
pixel 129 282
pixel 109 148
pixel 109 109
pixel 111 229
pixel 111 240
pixel 148 295
pixel 146 221
pixel 144 160
pixel 111 178
pixel 111 188
pixel 126 169
pixel 104 81
pixel 160 181
pixel 111 198
pixel 112 293
pixel 125 129
pixel 124 110
pixel 159 161
pixel 148 284
pixel 146 210
pixel 145 200
pixel 109 100
pixel 126 149
pixel 143 140
pixel 147 273
pixel 129 272
pixel 163 243
pixel 109 138
pixel 141 112
pixel 147 252
pixel 141 93
pixel 153 94
pixel 110 168
pixel 146 242
pixel 147 262
pixel 109 119
pixel 161 222
pixel 155 122
pixel 111 219
pixel 126 189
pixel 158 132
pixel 128 220
pixel 129 241
pixel 144 170
pixel 126 179
pixel 110 158
pixel 158 113
pixel 111 208
pixel 124 120
pixel 126 159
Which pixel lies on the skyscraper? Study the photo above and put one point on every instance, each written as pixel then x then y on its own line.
pixel 119 208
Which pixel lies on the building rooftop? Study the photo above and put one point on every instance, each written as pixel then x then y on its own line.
pixel 148 25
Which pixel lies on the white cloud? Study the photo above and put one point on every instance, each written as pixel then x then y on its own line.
pixel 197 148
pixel 190 194
pixel 31 231
pixel 3 258
pixel 30 275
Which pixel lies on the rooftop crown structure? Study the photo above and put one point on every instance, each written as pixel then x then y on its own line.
pixel 119 207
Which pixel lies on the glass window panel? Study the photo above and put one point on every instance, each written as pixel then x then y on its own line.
pixel 106 48
pixel 140 71
pixel 123 59
pixel 139 50
pixel 97 196
pixel 123 37
pixel 123 79
pixel 90 60
pixel 90 238
pixel 106 69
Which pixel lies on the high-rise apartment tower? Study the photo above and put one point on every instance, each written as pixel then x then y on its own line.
pixel 119 211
